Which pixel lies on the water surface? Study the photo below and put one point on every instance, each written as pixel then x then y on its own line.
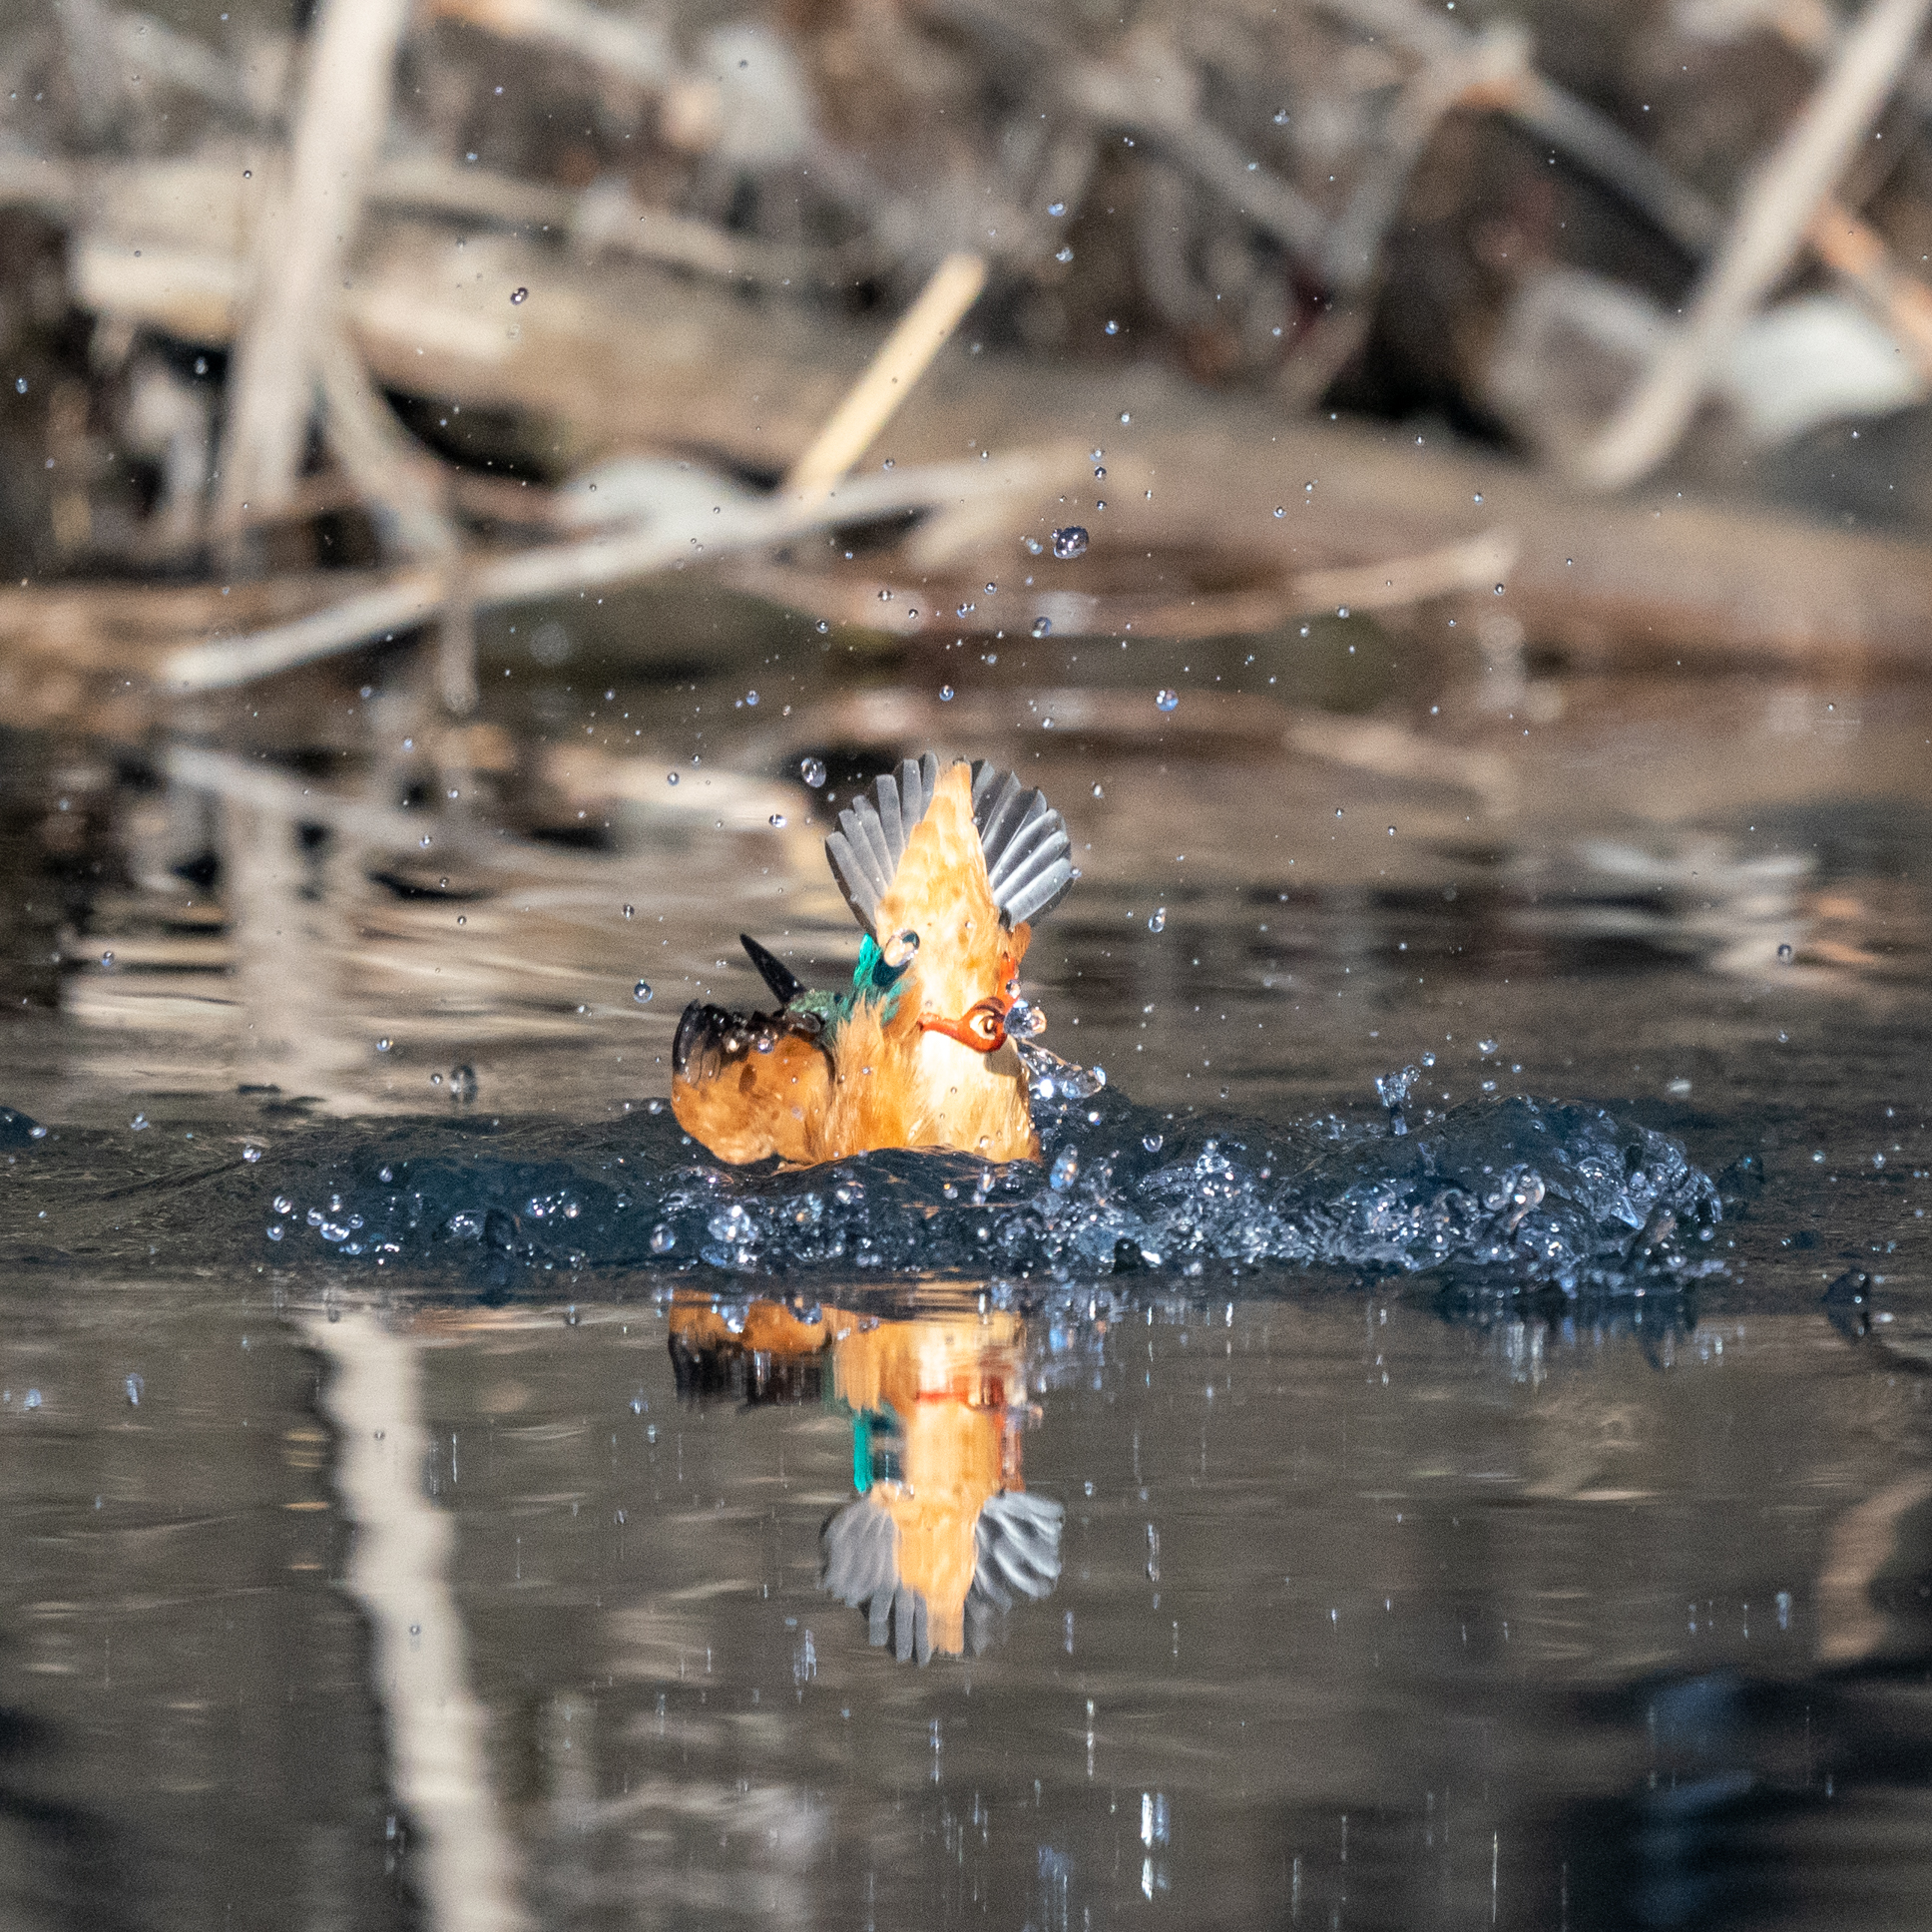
pixel 1385 1594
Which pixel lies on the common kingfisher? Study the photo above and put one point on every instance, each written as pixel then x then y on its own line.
pixel 944 873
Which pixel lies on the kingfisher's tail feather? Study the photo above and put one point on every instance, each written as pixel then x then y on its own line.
pixel 786 985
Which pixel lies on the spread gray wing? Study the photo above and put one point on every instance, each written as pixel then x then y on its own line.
pixel 872 832
pixel 1027 848
pixel 1025 843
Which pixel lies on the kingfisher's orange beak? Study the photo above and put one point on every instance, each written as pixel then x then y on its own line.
pixel 981 1027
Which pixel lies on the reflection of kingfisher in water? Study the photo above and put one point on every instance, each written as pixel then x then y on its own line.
pixel 943 1536
pixel 943 872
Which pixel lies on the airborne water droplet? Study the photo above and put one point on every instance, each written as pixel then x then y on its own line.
pixel 1784 952
pixel 1158 922
pixel 630 912
pixel 663 1240
pixel 1041 626
pixel 519 296
pixel 778 819
pixel 641 992
pixel 1068 542
pixel 945 694
pixel 1165 700
pixel 812 770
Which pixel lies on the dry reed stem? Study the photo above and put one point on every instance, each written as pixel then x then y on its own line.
pixel 1491 65
pixel 407 492
pixel 1772 221
pixel 343 110
pixel 1538 104
pixel 1856 253
pixel 1133 101
pixel 604 39
pixel 416 597
pixel 1474 565
pixel 902 358
pixel 1847 245
pixel 1450 570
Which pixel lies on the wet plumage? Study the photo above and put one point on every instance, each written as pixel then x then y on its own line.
pixel 944 872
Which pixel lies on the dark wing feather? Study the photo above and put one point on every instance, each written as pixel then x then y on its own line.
pixel 749 1085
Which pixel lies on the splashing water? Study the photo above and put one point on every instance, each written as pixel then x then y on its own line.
pixel 1393 1090
pixel 1048 1077
pixel 1503 1195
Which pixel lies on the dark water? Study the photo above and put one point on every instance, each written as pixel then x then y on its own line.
pixel 1429 1530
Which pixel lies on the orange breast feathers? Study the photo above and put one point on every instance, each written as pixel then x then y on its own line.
pixel 921 1078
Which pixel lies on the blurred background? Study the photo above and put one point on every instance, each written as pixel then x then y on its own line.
pixel 429 434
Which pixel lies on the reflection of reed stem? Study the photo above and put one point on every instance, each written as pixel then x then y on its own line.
pixel 902 358
pixel 466 1870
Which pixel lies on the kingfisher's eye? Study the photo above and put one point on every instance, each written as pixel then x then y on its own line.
pixel 899 948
